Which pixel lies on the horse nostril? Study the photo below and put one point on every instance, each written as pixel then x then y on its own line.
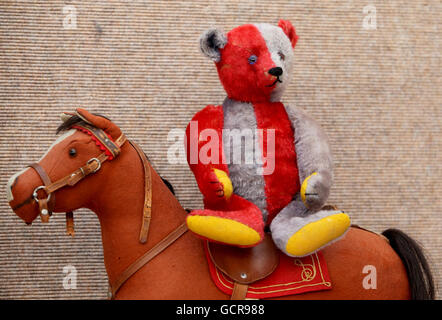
pixel 28 223
pixel 277 71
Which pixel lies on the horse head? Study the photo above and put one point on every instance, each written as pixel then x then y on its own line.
pixel 77 153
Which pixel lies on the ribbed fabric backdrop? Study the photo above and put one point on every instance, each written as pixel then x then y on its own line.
pixel 377 93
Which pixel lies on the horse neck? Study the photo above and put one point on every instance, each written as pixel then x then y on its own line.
pixel 119 207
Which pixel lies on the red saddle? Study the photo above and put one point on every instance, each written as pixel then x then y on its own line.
pixel 264 271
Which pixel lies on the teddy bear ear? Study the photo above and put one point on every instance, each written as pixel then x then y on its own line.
pixel 211 41
pixel 289 30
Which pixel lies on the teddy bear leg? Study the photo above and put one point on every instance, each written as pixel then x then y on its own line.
pixel 240 223
pixel 298 231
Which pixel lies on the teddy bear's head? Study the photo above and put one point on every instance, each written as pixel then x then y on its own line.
pixel 254 61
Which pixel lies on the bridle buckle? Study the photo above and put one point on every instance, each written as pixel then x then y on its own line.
pixel 97 160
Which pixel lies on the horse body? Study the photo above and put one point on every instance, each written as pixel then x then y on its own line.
pixel 116 193
pixel 181 271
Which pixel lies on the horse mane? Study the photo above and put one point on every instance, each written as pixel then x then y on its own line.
pixel 74 120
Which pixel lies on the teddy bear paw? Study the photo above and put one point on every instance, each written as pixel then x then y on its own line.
pixel 302 236
pixel 226 227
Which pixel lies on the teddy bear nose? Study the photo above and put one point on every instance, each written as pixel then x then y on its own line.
pixel 277 71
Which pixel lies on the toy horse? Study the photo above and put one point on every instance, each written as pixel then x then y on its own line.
pixel 149 255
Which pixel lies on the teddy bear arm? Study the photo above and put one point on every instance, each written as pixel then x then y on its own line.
pixel 314 158
pixel 212 178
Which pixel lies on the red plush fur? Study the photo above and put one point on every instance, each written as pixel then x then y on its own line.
pixel 234 208
pixel 241 80
pixel 283 183
pixel 211 117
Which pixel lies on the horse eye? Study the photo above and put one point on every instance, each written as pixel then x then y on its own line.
pixel 281 55
pixel 72 152
pixel 252 59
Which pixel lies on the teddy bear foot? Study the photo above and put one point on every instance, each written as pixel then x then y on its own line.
pixel 219 227
pixel 312 232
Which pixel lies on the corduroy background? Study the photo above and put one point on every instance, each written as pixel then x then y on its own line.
pixel 377 93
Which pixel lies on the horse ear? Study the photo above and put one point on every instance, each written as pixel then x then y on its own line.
pixel 65 116
pixel 99 122
pixel 85 115
pixel 289 30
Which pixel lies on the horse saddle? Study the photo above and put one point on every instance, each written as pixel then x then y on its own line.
pixel 263 271
pixel 245 265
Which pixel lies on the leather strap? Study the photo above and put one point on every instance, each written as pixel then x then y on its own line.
pixel 46 181
pixel 147 208
pixel 113 147
pixel 42 173
pixel 72 179
pixel 239 291
pixel 70 223
pixel 44 210
pixel 149 255
pixel 93 165
pixel 121 140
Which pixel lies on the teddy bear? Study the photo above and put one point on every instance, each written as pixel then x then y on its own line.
pixel 261 165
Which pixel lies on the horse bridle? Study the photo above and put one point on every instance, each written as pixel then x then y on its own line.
pixel 93 165
pixel 46 204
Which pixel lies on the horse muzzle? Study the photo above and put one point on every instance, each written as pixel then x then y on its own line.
pixel 19 190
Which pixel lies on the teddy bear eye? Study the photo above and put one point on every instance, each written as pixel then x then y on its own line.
pixel 253 59
pixel 281 55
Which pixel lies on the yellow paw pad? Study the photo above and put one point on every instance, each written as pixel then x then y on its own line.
pixel 225 180
pixel 316 234
pixel 223 230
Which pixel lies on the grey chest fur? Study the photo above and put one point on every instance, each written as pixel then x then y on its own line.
pixel 243 154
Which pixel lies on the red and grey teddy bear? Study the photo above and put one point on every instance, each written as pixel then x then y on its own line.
pixel 257 161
